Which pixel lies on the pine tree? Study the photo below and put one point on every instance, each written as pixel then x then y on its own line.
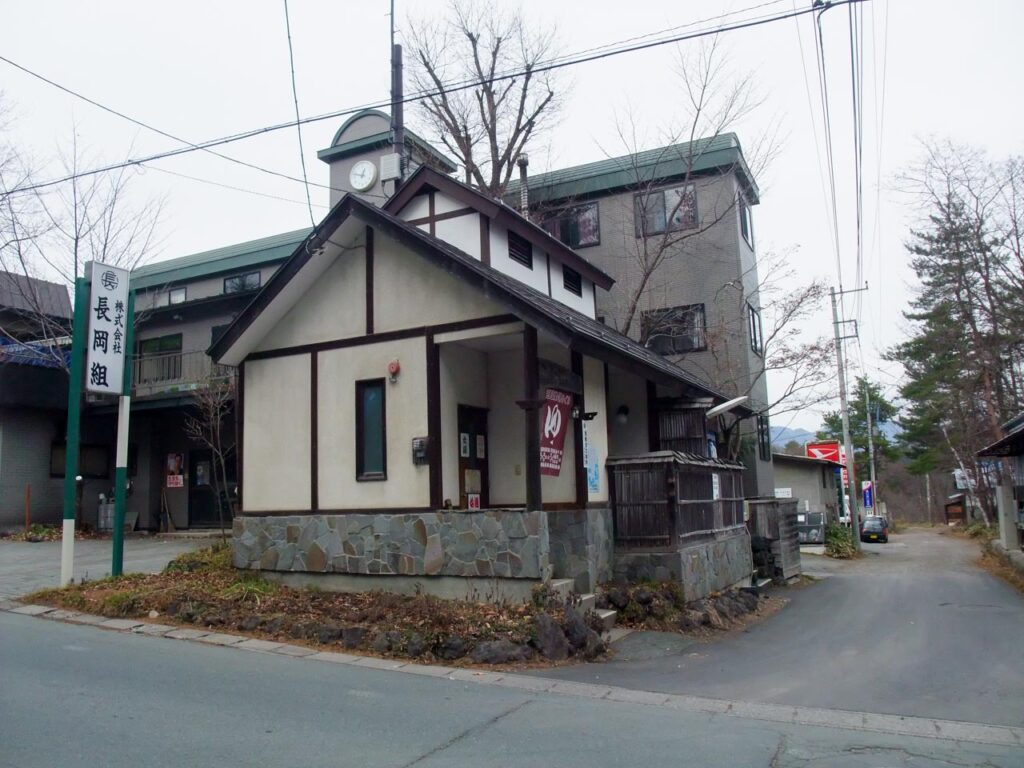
pixel 883 411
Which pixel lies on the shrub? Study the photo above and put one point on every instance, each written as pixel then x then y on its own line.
pixel 978 530
pixel 839 542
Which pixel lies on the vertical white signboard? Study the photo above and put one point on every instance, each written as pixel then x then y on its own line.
pixel 105 344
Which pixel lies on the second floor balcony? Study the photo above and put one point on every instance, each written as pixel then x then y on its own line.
pixel 174 373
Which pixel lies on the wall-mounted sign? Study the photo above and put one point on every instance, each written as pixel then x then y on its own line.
pixel 473 500
pixel 175 470
pixel 464 445
pixel 555 422
pixel 783 493
pixel 716 486
pixel 104 345
pixel 481 446
pixel 590 462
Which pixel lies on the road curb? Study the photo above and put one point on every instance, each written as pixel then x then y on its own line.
pixel 896 725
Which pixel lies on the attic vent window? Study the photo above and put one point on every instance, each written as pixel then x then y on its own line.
pixel 572 281
pixel 520 250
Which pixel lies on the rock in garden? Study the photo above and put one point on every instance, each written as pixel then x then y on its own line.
pixel 576 630
pixel 644 596
pixel 274 625
pixel 593 647
pixel 618 599
pixel 550 640
pixel 725 607
pixel 416 646
pixel 352 637
pixel 713 618
pixel 326 634
pixel 748 599
pixel 500 652
pixel 690 620
pixel 249 623
pixel 452 647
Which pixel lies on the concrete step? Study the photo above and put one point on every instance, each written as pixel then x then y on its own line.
pixel 562 587
pixel 607 617
pixel 588 602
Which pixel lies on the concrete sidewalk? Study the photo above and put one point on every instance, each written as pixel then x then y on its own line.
pixel 26 567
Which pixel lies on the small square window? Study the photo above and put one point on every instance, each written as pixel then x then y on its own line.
pixel 572 281
pixel 520 250
pixel 371 432
pixel 675 330
pixel 177 295
pixel 674 208
pixel 577 227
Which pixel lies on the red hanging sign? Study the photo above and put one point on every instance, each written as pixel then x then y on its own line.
pixel 555 420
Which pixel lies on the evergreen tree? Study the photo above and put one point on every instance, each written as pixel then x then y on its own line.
pixel 882 412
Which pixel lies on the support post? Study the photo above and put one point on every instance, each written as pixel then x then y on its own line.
pixel 844 409
pixel 78 334
pixel 28 507
pixel 531 384
pixel 121 465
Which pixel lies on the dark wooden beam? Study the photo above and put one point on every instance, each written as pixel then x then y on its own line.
pixel 653 427
pixel 314 448
pixel 453 214
pixel 576 362
pixel 434 421
pixel 531 418
pixel 431 212
pixel 239 428
pixel 369 280
pixel 485 240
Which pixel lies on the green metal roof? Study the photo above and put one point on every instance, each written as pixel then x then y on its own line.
pixel 672 161
pixel 231 258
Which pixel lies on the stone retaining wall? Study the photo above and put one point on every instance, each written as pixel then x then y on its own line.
pixel 581 546
pixel 703 567
pixel 510 544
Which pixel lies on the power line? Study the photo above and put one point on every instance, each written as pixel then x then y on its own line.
pixel 211 182
pixel 298 119
pixel 465 85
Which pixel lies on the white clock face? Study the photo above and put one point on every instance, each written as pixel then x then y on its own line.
pixel 363 175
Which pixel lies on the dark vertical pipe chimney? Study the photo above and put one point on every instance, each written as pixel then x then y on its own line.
pixel 398 109
pixel 524 193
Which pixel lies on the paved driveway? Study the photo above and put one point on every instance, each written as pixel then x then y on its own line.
pixel 915 628
pixel 26 567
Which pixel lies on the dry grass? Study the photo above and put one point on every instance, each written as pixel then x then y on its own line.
pixel 1000 566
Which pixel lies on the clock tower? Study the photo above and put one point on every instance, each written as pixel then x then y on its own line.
pixel 362 157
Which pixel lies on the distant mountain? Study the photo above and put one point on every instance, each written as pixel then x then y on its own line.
pixel 782 435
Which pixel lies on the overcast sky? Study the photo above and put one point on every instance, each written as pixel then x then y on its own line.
pixel 203 70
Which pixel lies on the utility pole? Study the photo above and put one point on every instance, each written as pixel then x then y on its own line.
pixel 928 494
pixel 871 442
pixel 845 411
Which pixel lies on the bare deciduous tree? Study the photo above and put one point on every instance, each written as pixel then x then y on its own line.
pixel 207 426
pixel 51 233
pixel 488 126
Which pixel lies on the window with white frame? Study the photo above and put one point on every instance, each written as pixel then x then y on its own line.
pixel 746 221
pixel 177 295
pixel 674 209
pixel 675 330
pixel 756 331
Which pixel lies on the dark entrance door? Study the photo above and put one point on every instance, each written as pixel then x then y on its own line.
pixel 202 498
pixel 473 491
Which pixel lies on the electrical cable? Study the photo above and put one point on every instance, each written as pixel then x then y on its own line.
pixel 746 24
pixel 298 117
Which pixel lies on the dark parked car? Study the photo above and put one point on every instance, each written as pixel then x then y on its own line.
pixel 875 529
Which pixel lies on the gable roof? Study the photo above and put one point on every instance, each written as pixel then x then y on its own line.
pixel 695 158
pixel 426 179
pixel 803 460
pixel 571 327
pixel 340 149
pixel 231 258
pixel 30 294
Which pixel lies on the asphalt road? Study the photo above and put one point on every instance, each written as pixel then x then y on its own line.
pixel 82 696
pixel 27 567
pixel 914 628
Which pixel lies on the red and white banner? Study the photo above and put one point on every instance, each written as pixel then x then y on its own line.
pixel 830 451
pixel 555 420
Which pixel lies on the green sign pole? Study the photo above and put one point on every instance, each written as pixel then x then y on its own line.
pixel 121 469
pixel 79 329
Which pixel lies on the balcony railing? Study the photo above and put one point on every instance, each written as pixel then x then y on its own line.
pixel 174 372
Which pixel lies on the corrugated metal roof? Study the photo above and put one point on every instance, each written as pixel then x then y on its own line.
pixel 30 294
pixel 220 260
pixel 674 160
